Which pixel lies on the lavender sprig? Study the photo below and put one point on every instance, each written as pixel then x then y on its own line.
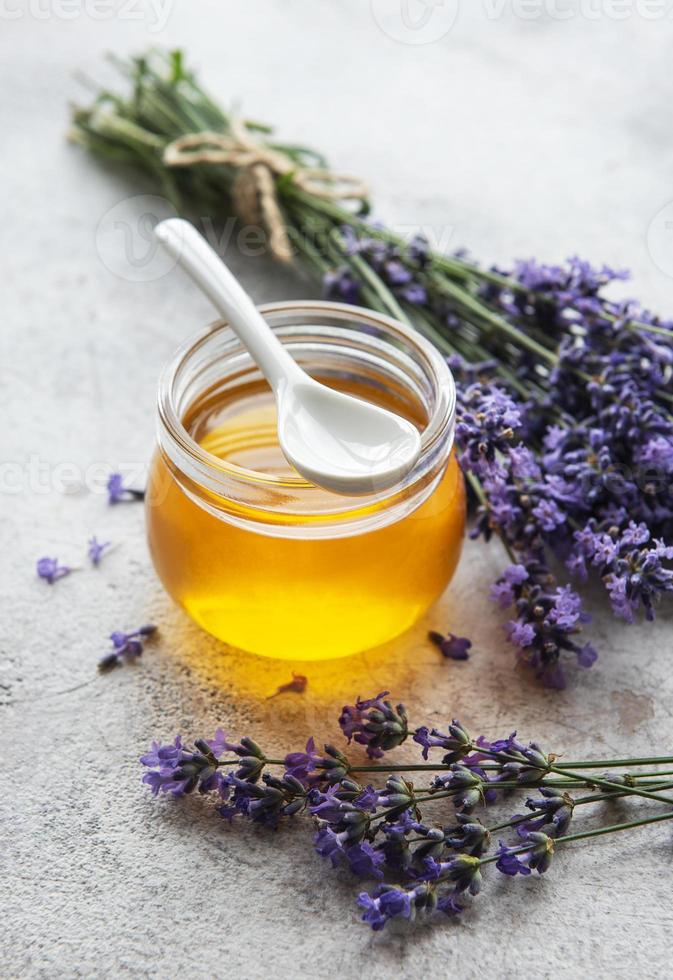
pixel 380 833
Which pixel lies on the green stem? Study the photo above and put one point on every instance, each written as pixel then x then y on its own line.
pixel 584 835
pixel 606 784
pixel 468 303
pixel 613 763
pixel 379 287
pixel 481 497
pixel 592 798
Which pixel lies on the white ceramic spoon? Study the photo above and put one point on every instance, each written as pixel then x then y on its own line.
pixel 339 442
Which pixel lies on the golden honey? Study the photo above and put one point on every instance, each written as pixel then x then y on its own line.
pixel 271 564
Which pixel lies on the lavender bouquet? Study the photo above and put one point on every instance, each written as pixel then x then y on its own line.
pixel 565 431
pixel 380 833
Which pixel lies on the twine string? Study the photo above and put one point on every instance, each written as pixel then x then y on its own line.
pixel 258 166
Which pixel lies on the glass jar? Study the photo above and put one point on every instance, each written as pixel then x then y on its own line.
pixel 261 558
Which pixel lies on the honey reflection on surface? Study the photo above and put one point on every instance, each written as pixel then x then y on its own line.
pixel 237 690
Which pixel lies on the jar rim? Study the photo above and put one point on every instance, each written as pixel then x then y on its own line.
pixel 439 422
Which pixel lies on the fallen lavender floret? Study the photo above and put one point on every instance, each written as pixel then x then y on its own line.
pixel 50 570
pixel 451 646
pixel 126 647
pixel 96 549
pixel 118 492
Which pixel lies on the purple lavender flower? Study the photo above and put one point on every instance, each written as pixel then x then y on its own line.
pixel 487 421
pixel 449 905
pixel 428 842
pixel 117 492
pixel 368 799
pixel 631 565
pixel 391 901
pixel 96 550
pixel 301 765
pixel 327 845
pixel 419 250
pixel 398 796
pixel 267 802
pixel 375 724
pixel 251 759
pixel 401 269
pixel 387 902
pixel 395 848
pixel 524 763
pixel 335 809
pixel 340 284
pixel 547 620
pixel 362 859
pixel 557 810
pixel 177 769
pixel 502 591
pixel 639 577
pixel 457 741
pixel 548 515
pixel 464 871
pixel 467 786
pixel 509 862
pixel 451 646
pixel 312 768
pixel 520 634
pixel 537 856
pixel 163 760
pixel 126 647
pixel 396 273
pixel 414 293
pixel 50 570
pixel 470 836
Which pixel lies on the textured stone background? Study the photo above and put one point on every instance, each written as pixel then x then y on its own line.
pixel 540 136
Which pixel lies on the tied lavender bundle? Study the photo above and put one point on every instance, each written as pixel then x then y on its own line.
pixel 565 425
pixel 377 829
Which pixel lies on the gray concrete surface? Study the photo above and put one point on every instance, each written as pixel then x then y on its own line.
pixel 521 136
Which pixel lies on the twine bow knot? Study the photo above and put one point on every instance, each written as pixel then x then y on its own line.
pixel 258 165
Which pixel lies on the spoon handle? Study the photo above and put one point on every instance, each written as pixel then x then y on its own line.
pixel 207 270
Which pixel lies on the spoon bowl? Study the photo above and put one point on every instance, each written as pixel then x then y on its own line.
pixel 343 443
pixel 335 440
